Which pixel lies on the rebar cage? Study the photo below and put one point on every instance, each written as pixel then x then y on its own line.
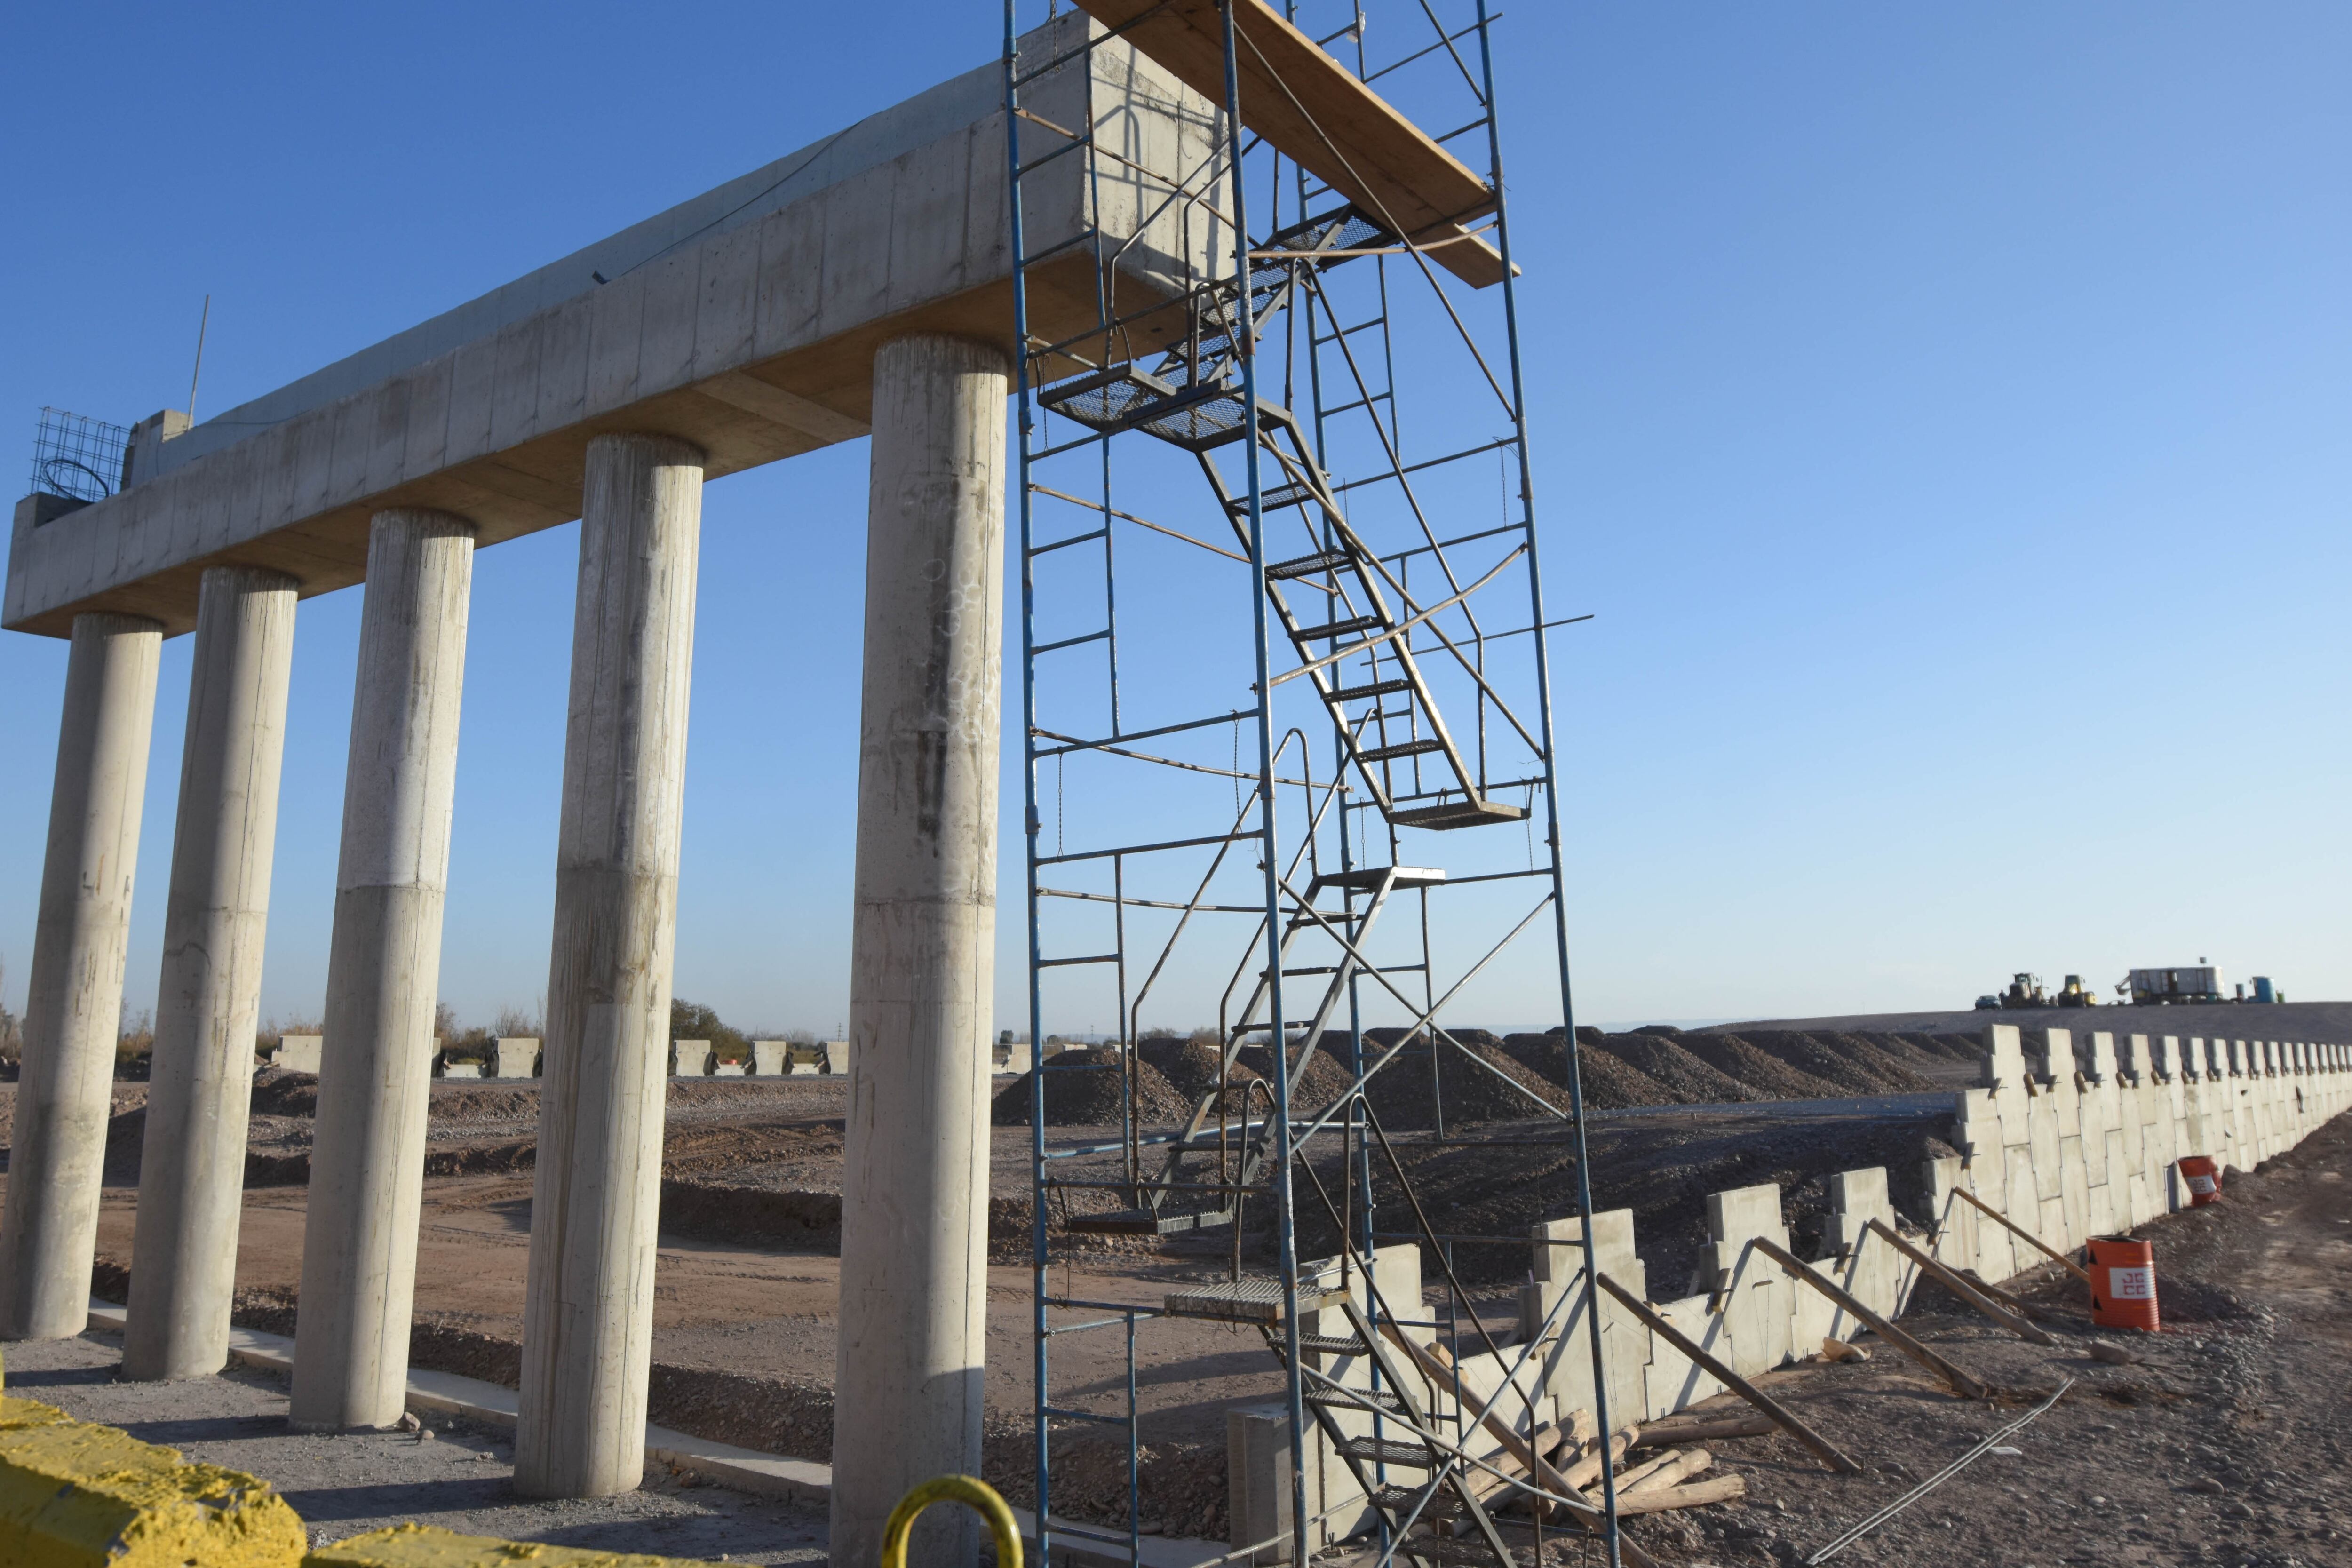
pixel 76 456
pixel 1288 749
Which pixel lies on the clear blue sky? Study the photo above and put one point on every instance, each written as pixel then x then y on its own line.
pixel 1946 412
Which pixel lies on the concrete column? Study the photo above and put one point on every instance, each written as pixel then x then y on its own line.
pixel 375 1079
pixel 73 1003
pixel 914 1248
pixel 588 1312
pixel 191 1164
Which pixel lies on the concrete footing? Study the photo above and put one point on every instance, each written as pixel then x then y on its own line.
pixel 191 1164
pixel 73 1003
pixel 907 1382
pixel 375 1076
pixel 588 1311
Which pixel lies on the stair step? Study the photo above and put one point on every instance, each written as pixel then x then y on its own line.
pixel 1385 1451
pixel 1246 1301
pixel 1338 628
pixel 1149 1222
pixel 1401 749
pixel 1306 566
pixel 1376 688
pixel 1331 1344
pixel 1459 814
pixel 1355 1399
pixel 1363 879
pixel 1396 1500
pixel 1274 500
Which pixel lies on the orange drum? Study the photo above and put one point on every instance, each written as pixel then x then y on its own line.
pixel 2123 1283
pixel 2202 1176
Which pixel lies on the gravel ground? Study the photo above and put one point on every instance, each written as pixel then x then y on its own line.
pixel 348 1485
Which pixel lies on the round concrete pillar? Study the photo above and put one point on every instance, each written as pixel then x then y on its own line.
pixel 908 1383
pixel 73 1001
pixel 375 1079
pixel 191 1164
pixel 596 1196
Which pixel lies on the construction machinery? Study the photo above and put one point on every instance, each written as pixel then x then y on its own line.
pixel 2160 988
pixel 2074 994
pixel 2025 991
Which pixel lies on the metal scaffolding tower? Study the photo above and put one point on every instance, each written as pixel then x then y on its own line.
pixel 1288 746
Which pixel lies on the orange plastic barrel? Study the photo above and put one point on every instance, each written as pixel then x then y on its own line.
pixel 2202 1176
pixel 2123 1283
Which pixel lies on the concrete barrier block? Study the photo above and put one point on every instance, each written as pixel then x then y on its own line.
pixel 297 1053
pixel 73 1493
pixel 769 1058
pixel 461 1069
pixel 690 1059
pixel 425 1546
pixel 517 1057
pixel 836 1055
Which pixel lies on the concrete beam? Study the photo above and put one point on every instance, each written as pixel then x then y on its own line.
pixel 744 322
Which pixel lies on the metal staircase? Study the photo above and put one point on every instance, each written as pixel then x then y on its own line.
pixel 1443 1495
pixel 1210 1130
pixel 1356 614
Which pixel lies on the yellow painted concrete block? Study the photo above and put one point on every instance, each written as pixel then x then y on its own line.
pixel 421 1546
pixel 74 1495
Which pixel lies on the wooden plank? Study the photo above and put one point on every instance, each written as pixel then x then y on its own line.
pixel 1316 111
pixel 1961 1381
pixel 2082 1273
pixel 1962 1289
pixel 1731 1380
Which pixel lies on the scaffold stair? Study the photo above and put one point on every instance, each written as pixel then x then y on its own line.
pixel 1193 399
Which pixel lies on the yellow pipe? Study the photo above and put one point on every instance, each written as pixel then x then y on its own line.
pixel 977 1494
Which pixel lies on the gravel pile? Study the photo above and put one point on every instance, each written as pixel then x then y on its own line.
pixel 1853 1064
pixel 1768 1075
pixel 1327 1076
pixel 1191 1067
pixel 1468 1091
pixel 1083 1089
pixel 1690 1078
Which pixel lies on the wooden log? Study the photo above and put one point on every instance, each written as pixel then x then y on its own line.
pixel 1698 1494
pixel 1962 1289
pixel 1442 1374
pixel 1586 1471
pixel 1676 1468
pixel 2016 1229
pixel 1659 1433
pixel 1961 1381
pixel 1730 1379
pixel 1628 1479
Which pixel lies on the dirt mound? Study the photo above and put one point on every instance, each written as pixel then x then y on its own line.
pixel 1326 1078
pixel 279 1092
pixel 1765 1075
pixel 1467 1090
pixel 1612 1083
pixel 1961 1047
pixel 1191 1069
pixel 1690 1078
pixel 1084 1088
pixel 1854 1065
